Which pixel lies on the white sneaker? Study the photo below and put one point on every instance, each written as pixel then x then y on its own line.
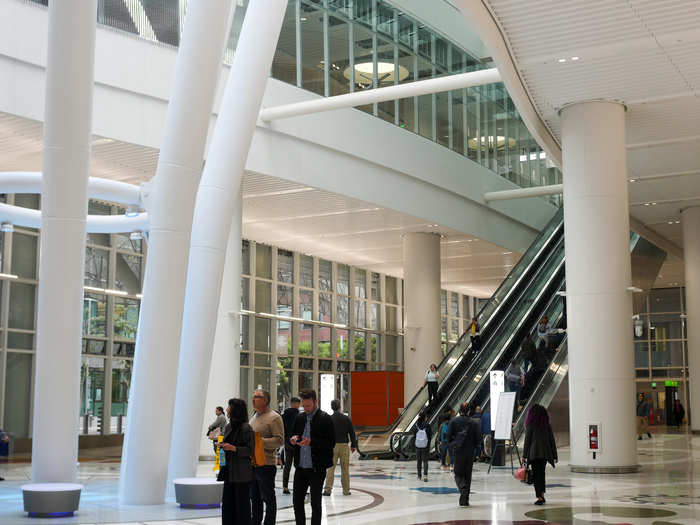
pixel 425 479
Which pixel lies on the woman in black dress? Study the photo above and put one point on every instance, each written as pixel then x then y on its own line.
pixel 539 448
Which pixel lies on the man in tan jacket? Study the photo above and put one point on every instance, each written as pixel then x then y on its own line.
pixel 269 425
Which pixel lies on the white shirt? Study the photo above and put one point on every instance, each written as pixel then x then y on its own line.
pixel 431 376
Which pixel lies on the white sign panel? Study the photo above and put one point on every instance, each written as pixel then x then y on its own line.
pixel 504 415
pixel 327 392
pixel 496 389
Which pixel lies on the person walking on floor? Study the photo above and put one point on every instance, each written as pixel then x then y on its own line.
pixel 237 473
pixel 344 432
pixel 431 380
pixel 643 407
pixel 445 444
pixel 288 417
pixel 268 424
pixel 539 448
pixel 678 413
pixel 217 427
pixel 422 436
pixel 313 438
pixel 463 435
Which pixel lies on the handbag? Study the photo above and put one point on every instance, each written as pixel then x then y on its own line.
pixel 214 434
pixel 520 474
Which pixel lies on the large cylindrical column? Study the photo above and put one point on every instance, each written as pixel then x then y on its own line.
pixel 421 276
pixel 218 205
pixel 598 273
pixel 149 421
pixel 691 258
pixel 66 166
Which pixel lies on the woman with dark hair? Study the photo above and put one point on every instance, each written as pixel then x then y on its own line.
pixel 237 473
pixel 539 448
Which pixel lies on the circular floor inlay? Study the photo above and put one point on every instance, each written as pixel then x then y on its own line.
pixel 569 513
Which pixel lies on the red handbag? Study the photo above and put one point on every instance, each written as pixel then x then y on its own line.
pixel 520 474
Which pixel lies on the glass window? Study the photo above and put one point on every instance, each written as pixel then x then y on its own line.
pixel 284 300
pixel 376 287
pixel 27 200
pixel 306 333
pixel 360 314
pixel 360 283
pixel 442 132
pixel 306 363
pixel 121 383
pixel 261 379
pixel 126 317
pixel 263 292
pixel 465 307
pixel 284 65
pixel 245 257
pixel 363 11
pixel 99 208
pixel 666 353
pixel 391 319
pixel 360 346
pixel 312 48
pixel 641 355
pixel 454 304
pixel 285 386
pixel 245 359
pixel 123 241
pixel 325 275
pixel 390 285
pixel 20 340
pixel 339 56
pixel 123 349
pixel 24 255
pixel 325 365
pixel 128 273
pixel 245 332
pixel 22 301
pixel 392 349
pixel 665 326
pixel 18 394
pixel 364 61
pixel 92 384
pixel 407 30
pixel 284 338
pixel 245 388
pixel 665 300
pixel 262 334
pixel 306 276
pixel 306 380
pixel 95 314
pixel 375 349
pixel 374 316
pixel 96 267
pixel 324 307
pixel 407 106
pixel 454 330
pixel 262 360
pixel 443 302
pixel 285 266
pixel 343 312
pixel 342 350
pixel 343 285
pixel 387 74
pixel 94 346
pixel 385 19
pixel 245 293
pixel 306 304
pixel 263 261
pixel 324 341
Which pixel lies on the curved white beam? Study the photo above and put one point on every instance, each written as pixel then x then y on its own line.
pixel 524 193
pixel 98 188
pixel 28 218
pixel 372 96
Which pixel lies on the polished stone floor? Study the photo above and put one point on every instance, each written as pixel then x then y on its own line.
pixel 666 491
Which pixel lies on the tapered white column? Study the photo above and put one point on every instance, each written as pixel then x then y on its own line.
pixel 598 273
pixel 218 202
pixel 421 276
pixel 691 259
pixel 149 421
pixel 66 165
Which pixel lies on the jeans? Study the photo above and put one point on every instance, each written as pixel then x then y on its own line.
pixel 305 478
pixel 538 476
pixel 444 449
pixel 288 462
pixel 235 504
pixel 262 490
pixel 422 458
pixel 463 475
pixel 341 453
pixel 432 390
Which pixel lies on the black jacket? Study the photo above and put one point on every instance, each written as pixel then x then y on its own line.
pixel 539 444
pixel 239 468
pixel 288 417
pixel 343 429
pixel 322 439
pixel 471 428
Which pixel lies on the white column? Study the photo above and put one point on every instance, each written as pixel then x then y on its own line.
pixel 421 275
pixel 218 202
pixel 598 272
pixel 224 374
pixel 66 166
pixel 152 396
pixel 691 259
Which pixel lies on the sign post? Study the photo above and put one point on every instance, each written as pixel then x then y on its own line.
pixel 503 428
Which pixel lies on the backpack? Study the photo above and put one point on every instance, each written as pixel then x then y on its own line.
pixel 421 438
pixel 258 453
pixel 443 432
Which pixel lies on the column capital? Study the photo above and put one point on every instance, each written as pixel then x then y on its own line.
pixel 591 101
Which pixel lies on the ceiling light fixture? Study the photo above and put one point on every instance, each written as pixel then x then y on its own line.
pixel 633 180
pixel 574 58
pixel 561 60
pixel 386 72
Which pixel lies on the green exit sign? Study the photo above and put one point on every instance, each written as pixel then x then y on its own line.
pixel 653 384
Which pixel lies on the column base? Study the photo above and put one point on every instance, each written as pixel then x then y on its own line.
pixel 587 469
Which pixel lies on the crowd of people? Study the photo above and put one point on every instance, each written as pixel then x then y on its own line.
pixel 313 441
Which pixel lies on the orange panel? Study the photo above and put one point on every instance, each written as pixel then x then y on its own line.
pixel 376 397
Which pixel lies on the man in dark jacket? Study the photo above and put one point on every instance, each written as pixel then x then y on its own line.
pixel 463 434
pixel 288 418
pixel 344 432
pixel 313 438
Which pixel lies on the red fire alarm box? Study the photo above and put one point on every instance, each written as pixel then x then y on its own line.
pixel 594 441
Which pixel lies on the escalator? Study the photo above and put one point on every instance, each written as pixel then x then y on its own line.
pixel 505 320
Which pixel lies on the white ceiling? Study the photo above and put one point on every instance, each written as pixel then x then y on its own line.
pixel 645 53
pixel 293 216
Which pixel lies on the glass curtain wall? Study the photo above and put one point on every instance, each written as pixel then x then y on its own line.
pixel 332 47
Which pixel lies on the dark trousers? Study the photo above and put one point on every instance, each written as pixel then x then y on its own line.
pixel 422 457
pixel 444 449
pixel 432 390
pixel 305 478
pixel 538 476
pixel 235 504
pixel 288 461
pixel 262 490
pixel 463 474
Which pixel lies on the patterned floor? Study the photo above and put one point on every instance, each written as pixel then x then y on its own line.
pixel 666 491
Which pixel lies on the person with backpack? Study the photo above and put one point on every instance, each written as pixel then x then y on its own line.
pixel 463 435
pixel 539 448
pixel 237 472
pixel 268 425
pixel 422 436
pixel 444 443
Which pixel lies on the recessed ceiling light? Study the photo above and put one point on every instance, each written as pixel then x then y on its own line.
pixel 574 58
pixel 646 204
pixel 303 19
pixel 633 180
pixel 561 60
pixel 653 204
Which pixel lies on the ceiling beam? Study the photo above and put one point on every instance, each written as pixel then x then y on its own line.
pixel 650 235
